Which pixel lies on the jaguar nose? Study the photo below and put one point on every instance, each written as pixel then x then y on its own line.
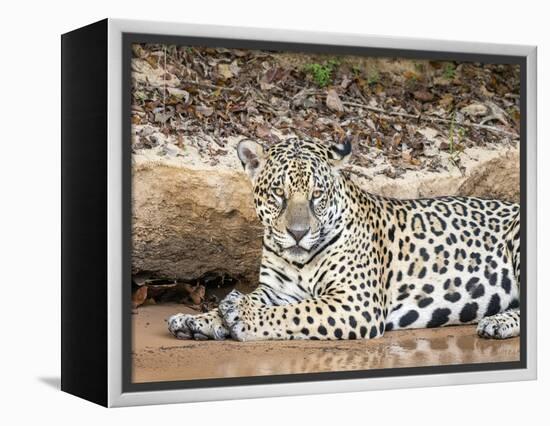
pixel 297 233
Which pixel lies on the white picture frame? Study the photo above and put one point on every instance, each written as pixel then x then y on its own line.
pixel 116 392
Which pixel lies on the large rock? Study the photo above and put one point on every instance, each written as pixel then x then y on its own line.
pixel 497 178
pixel 189 221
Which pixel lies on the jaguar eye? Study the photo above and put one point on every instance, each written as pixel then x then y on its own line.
pixel 317 193
pixel 279 192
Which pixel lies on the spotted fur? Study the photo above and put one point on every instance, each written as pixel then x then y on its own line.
pixel 341 263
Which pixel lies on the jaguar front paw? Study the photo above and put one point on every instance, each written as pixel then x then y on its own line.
pixel 177 325
pixel 232 311
pixel 185 326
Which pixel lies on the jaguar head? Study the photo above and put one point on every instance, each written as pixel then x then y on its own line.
pixel 297 192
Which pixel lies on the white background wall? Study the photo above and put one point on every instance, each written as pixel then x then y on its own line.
pixel 30 200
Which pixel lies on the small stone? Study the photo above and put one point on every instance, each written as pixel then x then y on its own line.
pixel 430 151
pixel 170 150
pixel 444 146
pixel 309 102
pixel 428 133
pixel 475 110
pixel 147 131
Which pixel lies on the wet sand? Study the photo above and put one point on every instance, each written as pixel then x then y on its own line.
pixel 158 356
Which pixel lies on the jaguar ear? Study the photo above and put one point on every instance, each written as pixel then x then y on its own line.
pixel 251 155
pixel 340 153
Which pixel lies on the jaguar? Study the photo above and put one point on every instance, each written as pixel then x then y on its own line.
pixel 342 263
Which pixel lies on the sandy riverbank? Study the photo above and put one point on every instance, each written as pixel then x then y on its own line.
pixel 157 356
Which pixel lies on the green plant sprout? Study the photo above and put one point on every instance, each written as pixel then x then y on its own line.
pixel 322 73
pixel 449 71
pixel 373 77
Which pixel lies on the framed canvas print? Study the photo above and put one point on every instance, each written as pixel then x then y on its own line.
pixel 251 212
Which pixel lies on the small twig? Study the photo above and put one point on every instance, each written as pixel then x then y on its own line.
pixel 381 111
pixel 431 119
pixel 493 117
pixel 208 86
pixel 151 85
pixel 164 91
pixel 305 91
pixel 266 106
pixel 474 125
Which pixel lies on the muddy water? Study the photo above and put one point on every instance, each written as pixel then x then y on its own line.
pixel 160 357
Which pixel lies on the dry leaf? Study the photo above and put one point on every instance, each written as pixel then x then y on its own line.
pixel 396 139
pixel 196 293
pixel 178 93
pixel 234 68
pixel 204 110
pixel 263 132
pixel 446 100
pixel 423 96
pixel 139 296
pixel 428 133
pixel 224 71
pixel 333 101
pixel 345 82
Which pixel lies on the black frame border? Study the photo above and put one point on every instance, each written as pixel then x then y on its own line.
pixel 130 38
pixel 84 234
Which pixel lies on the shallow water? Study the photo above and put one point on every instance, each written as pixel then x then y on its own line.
pixel 158 356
